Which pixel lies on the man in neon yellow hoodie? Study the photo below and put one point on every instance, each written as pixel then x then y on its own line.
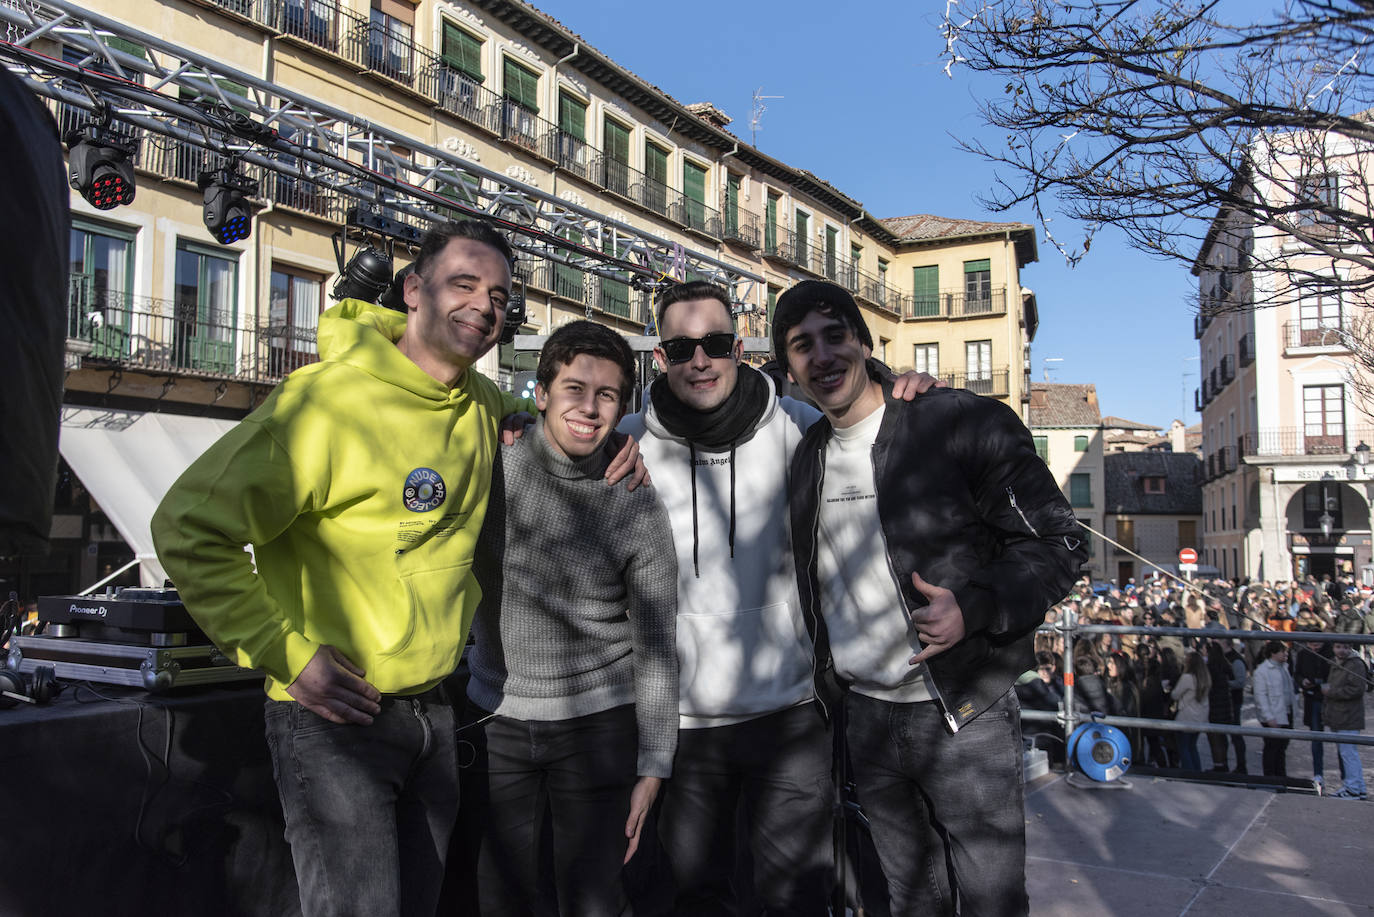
pixel 362 484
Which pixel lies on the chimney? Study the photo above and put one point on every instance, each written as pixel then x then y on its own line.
pixel 710 114
pixel 1177 438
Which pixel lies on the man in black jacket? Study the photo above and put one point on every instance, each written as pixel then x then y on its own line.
pixel 930 541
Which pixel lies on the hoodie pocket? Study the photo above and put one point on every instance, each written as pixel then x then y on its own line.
pixel 421 641
pixel 742 662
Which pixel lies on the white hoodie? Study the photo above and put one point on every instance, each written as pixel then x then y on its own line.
pixel 743 649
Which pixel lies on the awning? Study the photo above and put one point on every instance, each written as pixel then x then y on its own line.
pixel 128 460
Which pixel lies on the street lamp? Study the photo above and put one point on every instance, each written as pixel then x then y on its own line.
pixel 1362 454
pixel 1325 520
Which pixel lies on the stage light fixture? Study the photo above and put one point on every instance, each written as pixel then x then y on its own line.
pixel 227 213
pixel 367 276
pixel 99 166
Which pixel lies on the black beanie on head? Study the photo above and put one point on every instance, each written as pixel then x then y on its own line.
pixel 808 296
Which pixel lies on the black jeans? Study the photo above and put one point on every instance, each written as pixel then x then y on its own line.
pixel 778 767
pixel 573 775
pixel 947 812
pixel 1274 757
pixel 369 809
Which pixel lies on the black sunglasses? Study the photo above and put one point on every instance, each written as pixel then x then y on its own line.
pixel 680 350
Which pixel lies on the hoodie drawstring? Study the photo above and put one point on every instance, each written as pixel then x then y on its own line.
pixel 692 463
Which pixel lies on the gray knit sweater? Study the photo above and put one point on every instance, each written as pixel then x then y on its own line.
pixel 579 598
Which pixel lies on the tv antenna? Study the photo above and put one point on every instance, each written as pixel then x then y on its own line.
pixel 756 115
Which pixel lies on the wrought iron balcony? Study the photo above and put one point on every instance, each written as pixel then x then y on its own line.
pixel 956 304
pixel 696 216
pixel 160 335
pixel 877 291
pixel 572 154
pixel 459 94
pixel 1246 346
pixel 993 382
pixel 617 297
pixel 317 22
pixel 780 244
pixel 1228 369
pixel 613 175
pixel 741 228
pixel 1327 333
pixel 1292 441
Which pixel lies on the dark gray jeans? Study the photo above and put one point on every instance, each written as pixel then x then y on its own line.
pixel 369 809
pixel 778 767
pixel 947 812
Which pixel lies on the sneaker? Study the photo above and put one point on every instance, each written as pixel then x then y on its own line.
pixel 1317 783
pixel 1348 794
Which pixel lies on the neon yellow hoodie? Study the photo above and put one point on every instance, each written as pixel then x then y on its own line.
pixel 362 483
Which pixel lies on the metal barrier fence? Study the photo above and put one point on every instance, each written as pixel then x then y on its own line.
pixel 1069 718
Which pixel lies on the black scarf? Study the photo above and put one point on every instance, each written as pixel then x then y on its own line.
pixel 713 430
pixel 723 425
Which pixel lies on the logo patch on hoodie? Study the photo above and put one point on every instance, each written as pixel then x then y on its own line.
pixel 424 490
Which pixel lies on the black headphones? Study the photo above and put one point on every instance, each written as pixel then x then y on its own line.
pixel 38 688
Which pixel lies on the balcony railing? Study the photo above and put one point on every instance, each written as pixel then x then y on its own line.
pixel 1246 347
pixel 741 228
pixel 572 154
pixel 1321 333
pixel 696 216
pixel 956 304
pixel 1228 369
pixel 1299 441
pixel 459 94
pixel 139 332
pixel 994 382
pixel 878 292
pixel 780 244
pixel 617 297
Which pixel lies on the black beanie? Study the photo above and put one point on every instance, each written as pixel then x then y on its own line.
pixel 794 305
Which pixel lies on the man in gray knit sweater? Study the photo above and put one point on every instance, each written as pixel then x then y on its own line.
pixel 574 672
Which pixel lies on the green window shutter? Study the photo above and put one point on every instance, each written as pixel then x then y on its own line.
pixel 694 182
pixel 572 117
pixel 521 86
pixel 1080 490
pixel 772 305
pixel 1042 448
pixel 832 240
pixel 128 47
pixel 770 223
pixel 732 191
pixel 462 51
pixel 656 163
pixel 856 254
pixel 974 267
pixel 1080 444
pixel 617 141
pixel 925 290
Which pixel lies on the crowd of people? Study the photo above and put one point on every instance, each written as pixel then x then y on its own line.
pixel 1201 678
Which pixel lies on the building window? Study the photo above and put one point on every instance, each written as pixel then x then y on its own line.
pixel 832 241
pixel 1318 498
pixel 1154 483
pixel 803 225
pixel 206 309
pixel 521 86
pixel 390 42
pixel 882 349
pixel 1319 194
pixel 770 223
pixel 882 279
pixel 101 268
pixel 1125 533
pixel 572 153
pixel 694 190
pixel 615 149
pixel 462 52
pixel 978 286
pixel 771 305
pixel 655 191
pixel 1187 533
pixel 1042 448
pixel 1323 419
pixel 732 196
pixel 1319 316
pixel 1080 489
pixel 296 299
pixel 925 291
pixel 928 359
pixel 1080 444
pixel 978 365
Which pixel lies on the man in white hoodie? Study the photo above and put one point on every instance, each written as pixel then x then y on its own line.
pixel 718 441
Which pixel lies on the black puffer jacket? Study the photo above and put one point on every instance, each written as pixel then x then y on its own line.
pixel 965 501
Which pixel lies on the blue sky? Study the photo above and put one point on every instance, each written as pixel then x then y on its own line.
pixel 866 105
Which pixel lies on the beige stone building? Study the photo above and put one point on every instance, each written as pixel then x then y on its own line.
pixel 1066 424
pixel 489 104
pixel 1285 493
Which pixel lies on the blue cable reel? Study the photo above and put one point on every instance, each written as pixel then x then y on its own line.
pixel 1101 752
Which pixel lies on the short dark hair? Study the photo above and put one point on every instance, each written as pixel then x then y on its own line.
pixel 440 234
pixel 829 299
pixel 693 289
pixel 595 340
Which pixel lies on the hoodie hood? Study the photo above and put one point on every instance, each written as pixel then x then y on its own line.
pixel 364 335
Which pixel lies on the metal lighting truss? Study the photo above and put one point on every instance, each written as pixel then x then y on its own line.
pixel 283 132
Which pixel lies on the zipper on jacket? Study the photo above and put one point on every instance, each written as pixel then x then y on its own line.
pixel 812 564
pixel 901 597
pixel 1011 495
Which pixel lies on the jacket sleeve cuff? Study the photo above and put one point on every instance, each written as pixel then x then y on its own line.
pixel 285 657
pixel 979 605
